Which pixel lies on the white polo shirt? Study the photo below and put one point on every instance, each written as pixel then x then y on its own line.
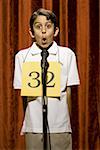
pixel 58 115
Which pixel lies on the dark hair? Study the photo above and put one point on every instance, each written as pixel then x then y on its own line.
pixel 49 15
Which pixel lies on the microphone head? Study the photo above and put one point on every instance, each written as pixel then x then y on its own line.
pixel 44 53
pixel 44 63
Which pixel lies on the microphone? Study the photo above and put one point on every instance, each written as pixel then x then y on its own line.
pixel 44 66
pixel 44 63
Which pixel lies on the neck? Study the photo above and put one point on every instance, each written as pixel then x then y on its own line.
pixel 44 48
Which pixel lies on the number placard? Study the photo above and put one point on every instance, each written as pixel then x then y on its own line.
pixel 32 82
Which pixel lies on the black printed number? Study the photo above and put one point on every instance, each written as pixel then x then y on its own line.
pixel 35 79
pixel 51 79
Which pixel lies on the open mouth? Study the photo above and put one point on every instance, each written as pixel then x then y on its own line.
pixel 44 40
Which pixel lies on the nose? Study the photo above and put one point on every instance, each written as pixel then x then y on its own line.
pixel 43 29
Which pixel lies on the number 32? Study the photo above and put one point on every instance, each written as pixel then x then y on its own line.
pixel 35 77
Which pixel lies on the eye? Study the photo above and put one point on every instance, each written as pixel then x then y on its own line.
pixel 38 26
pixel 49 25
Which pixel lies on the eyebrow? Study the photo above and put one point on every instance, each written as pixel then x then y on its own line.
pixel 49 21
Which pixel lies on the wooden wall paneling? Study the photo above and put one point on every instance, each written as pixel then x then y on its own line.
pixel 83 63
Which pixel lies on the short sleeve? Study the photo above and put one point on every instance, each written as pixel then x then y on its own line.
pixel 17 73
pixel 73 76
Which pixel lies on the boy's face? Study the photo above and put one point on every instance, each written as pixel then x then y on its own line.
pixel 43 31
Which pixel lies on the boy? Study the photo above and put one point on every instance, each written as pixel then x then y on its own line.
pixel 43 28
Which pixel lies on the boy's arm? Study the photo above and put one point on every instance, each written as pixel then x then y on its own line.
pixel 69 99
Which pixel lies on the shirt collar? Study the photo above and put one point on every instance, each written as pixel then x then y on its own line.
pixel 34 49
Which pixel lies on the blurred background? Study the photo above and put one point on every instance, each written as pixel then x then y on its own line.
pixel 79 30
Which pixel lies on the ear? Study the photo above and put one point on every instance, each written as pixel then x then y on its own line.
pixel 56 32
pixel 31 34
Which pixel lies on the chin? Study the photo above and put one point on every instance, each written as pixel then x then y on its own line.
pixel 44 46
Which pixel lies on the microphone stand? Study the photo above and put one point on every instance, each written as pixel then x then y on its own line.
pixel 44 66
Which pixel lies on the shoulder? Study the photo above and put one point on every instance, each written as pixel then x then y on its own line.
pixel 22 52
pixel 66 53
